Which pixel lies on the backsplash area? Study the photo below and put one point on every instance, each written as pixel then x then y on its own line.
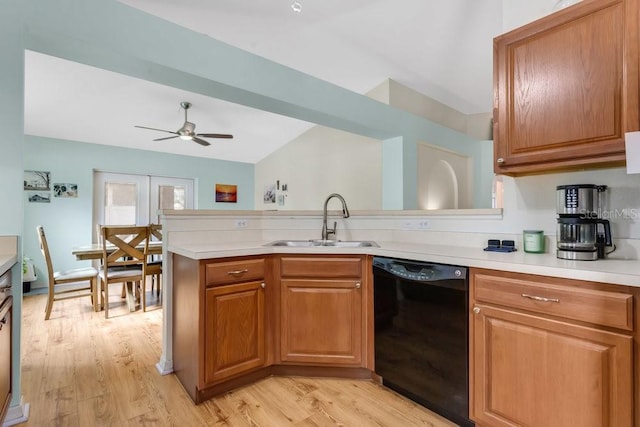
pixel 530 201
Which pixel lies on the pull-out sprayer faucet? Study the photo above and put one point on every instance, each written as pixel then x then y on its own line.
pixel 326 231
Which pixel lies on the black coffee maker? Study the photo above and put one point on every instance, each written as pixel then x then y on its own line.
pixel 582 233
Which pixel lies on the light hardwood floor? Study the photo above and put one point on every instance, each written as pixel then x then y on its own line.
pixel 79 369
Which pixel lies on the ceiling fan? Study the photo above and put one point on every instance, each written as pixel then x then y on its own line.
pixel 187 131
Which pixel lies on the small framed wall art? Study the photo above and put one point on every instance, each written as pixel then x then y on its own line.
pixel 226 193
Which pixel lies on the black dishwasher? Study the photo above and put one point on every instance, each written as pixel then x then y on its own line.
pixel 422 333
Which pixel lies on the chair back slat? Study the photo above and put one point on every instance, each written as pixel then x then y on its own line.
pixel 44 248
pixel 121 245
pixel 156 231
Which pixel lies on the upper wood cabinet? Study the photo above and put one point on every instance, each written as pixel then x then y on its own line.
pixel 566 89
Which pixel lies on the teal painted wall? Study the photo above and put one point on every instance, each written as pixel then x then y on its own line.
pixel 12 125
pixel 68 221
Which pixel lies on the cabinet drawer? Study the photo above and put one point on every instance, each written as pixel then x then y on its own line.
pixel 234 271
pixel 572 302
pixel 5 280
pixel 321 267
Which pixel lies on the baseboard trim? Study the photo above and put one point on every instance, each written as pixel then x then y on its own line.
pixel 17 414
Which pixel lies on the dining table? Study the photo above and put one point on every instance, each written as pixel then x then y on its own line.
pixel 93 251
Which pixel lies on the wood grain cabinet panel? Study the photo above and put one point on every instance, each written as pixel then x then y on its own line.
pixel 566 89
pixel 321 321
pixel 220 273
pixel 548 296
pixel 234 330
pixel 323 315
pixel 221 323
pixel 537 362
pixel 532 371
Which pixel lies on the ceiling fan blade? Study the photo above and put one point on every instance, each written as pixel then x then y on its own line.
pixel 215 135
pixel 200 141
pixel 161 130
pixel 168 137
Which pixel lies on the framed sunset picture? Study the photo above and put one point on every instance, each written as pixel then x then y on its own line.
pixel 226 193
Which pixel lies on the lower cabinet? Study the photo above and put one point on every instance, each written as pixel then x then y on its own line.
pixel 6 313
pixel 543 353
pixel 234 339
pixel 236 320
pixel 321 310
pixel 220 322
pixel 321 321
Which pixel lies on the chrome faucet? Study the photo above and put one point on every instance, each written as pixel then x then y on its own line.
pixel 326 231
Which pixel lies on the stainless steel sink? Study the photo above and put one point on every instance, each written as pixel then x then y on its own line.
pixel 332 243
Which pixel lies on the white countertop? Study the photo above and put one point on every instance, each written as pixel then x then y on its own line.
pixel 610 270
pixel 8 252
pixel 6 262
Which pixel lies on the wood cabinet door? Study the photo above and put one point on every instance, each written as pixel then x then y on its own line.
pixel 321 321
pixel 530 371
pixel 566 89
pixel 234 330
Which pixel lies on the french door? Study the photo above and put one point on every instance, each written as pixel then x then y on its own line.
pixel 128 199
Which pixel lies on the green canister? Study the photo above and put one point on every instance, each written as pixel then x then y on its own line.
pixel 533 241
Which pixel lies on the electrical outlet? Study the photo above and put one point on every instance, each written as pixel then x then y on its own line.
pixel 408 225
pixel 423 225
pixel 241 223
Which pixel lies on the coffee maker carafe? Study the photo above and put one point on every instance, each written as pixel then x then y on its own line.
pixel 582 233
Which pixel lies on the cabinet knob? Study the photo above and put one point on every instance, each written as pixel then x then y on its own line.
pixel 262 285
pixel 500 160
pixel 358 285
pixel 476 310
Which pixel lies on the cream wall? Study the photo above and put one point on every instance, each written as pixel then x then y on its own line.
pixel 322 160
pixel 319 162
pixel 444 179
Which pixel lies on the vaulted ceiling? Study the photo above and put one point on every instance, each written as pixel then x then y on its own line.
pixel 442 49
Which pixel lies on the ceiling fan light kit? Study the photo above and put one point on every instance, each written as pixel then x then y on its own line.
pixel 187 131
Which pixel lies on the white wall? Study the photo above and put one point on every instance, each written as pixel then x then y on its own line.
pixel 319 162
pixel 444 179
pixel 516 13
pixel 324 160
pixel 530 202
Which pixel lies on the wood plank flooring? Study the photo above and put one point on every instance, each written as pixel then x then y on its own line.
pixel 79 369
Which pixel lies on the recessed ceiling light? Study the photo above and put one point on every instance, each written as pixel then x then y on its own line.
pixel 296 6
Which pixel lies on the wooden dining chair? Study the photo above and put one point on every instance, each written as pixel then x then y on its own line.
pixel 80 282
pixel 154 265
pixel 124 260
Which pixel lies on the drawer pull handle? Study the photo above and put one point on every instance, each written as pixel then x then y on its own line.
pixel 543 299
pixel 237 272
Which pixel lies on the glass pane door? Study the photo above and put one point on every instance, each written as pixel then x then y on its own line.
pixel 120 199
pixel 170 193
pixel 127 199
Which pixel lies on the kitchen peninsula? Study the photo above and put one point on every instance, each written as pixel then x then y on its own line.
pixel 599 310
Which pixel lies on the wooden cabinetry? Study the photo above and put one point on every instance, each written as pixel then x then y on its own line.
pixel 323 310
pixel 547 351
pixel 221 322
pixel 6 313
pixel 234 339
pixel 566 89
